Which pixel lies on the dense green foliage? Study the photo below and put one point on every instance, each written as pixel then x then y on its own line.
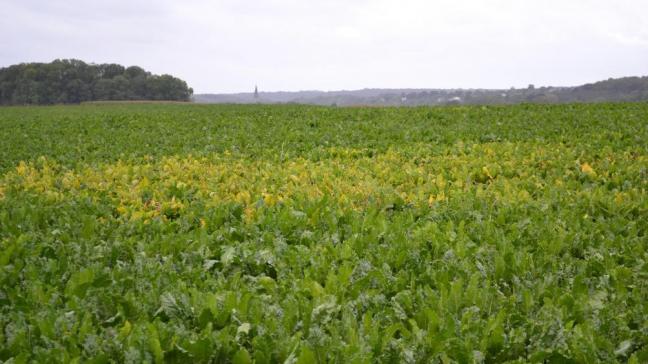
pixel 269 234
pixel 74 81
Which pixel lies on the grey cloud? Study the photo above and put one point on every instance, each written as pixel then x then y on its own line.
pixel 228 46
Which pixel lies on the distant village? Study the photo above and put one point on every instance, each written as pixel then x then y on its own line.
pixel 611 90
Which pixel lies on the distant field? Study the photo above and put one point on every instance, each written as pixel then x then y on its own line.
pixel 301 234
pixel 118 102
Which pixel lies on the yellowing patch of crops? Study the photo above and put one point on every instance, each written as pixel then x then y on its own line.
pixel 140 190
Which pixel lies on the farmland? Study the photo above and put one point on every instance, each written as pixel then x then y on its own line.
pixel 302 234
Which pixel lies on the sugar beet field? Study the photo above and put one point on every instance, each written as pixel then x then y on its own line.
pixel 300 234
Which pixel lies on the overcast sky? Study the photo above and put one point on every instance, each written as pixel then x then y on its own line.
pixel 231 45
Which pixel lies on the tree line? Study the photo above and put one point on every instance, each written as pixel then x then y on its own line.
pixel 74 81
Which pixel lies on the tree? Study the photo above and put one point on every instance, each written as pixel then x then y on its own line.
pixel 74 81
